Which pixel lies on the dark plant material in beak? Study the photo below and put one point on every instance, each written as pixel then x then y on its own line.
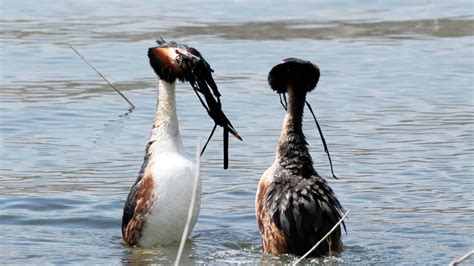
pixel 173 61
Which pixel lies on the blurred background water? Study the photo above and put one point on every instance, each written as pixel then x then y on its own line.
pixel 395 101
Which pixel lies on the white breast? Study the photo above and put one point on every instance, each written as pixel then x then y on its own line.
pixel 173 175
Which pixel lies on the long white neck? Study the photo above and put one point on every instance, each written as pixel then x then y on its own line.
pixel 165 133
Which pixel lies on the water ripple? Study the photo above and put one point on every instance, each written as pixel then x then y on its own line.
pixel 394 100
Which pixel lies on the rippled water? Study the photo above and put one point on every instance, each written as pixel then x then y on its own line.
pixel 395 101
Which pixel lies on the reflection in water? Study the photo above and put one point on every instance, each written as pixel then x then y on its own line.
pixel 157 255
pixel 112 127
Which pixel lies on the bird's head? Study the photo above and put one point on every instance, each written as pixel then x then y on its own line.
pixel 172 61
pixel 294 72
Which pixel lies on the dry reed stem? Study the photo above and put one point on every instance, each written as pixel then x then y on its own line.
pixel 103 77
pixel 463 258
pixel 322 239
pixel 191 206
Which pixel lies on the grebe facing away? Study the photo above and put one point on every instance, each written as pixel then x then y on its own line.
pixel 157 206
pixel 295 207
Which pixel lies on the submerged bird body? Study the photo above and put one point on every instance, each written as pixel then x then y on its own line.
pixel 295 207
pixel 157 206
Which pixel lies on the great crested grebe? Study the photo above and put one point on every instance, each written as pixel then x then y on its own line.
pixel 295 207
pixel 157 206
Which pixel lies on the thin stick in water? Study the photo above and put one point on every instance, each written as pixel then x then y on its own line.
pixel 322 239
pixel 191 206
pixel 463 258
pixel 103 77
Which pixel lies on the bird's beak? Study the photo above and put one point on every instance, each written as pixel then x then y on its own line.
pixel 182 53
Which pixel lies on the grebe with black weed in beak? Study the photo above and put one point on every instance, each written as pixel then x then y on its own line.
pixel 295 207
pixel 157 206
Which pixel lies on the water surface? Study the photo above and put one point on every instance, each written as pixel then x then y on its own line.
pixel 395 101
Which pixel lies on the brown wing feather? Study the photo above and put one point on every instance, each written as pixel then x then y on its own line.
pixel 294 213
pixel 137 206
pixel 273 238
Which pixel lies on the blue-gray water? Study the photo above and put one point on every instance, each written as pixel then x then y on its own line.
pixel 395 101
